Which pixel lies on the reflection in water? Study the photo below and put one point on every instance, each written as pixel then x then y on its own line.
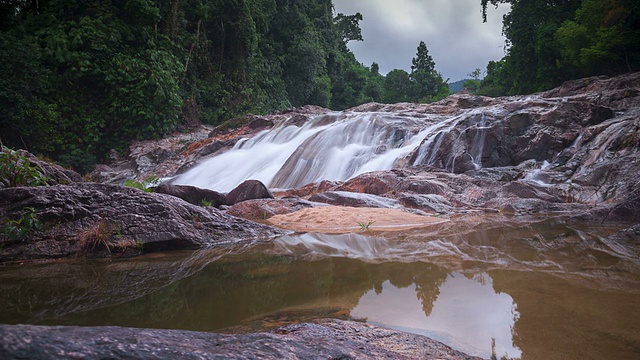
pixel 355 246
pixel 531 289
pixel 495 242
pixel 468 314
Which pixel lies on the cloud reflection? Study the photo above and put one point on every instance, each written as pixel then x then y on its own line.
pixel 467 314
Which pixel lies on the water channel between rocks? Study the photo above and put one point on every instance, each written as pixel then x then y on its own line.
pixel 531 289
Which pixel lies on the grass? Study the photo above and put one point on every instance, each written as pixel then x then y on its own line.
pixel 103 237
pixel 95 239
pixel 365 226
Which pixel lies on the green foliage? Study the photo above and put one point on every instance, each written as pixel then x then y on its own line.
pixel 428 83
pixel 473 84
pixel 397 87
pixel 79 160
pixel 424 84
pixel 348 27
pixel 603 37
pixel 146 185
pixel 82 78
pixel 364 226
pixel 206 203
pixel 549 42
pixel 16 170
pixel 21 228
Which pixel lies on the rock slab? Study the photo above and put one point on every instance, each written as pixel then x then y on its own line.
pixel 323 339
pixel 72 215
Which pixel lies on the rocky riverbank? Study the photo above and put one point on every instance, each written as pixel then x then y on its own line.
pixel 572 153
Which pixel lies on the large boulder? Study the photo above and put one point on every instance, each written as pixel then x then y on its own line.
pixel 103 219
pixel 248 190
pixel 53 173
pixel 193 195
pixel 323 339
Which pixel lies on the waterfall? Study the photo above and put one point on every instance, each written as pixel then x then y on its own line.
pixel 465 133
pixel 329 147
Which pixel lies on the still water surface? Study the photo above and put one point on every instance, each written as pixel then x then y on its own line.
pixel 534 289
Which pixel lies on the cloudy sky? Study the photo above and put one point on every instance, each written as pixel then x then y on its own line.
pixel 456 37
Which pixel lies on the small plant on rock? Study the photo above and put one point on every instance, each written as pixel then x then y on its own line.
pixel 95 238
pixel 16 170
pixel 365 226
pixel 144 185
pixel 21 228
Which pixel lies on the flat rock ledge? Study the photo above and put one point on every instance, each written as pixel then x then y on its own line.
pixel 322 339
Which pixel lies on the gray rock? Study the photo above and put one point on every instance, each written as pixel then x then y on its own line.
pixel 192 194
pixel 248 190
pixel 262 209
pixel 324 339
pixel 101 219
pixel 346 198
pixel 56 174
pixel 429 203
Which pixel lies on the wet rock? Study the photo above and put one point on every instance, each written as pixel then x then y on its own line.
pixel 620 92
pixel 429 203
pixel 103 219
pixel 106 174
pixel 503 173
pixel 310 189
pixel 192 194
pixel 375 183
pixel 625 211
pixel 260 123
pixel 324 339
pixel 248 190
pixel 262 209
pixel 55 174
pixel 346 198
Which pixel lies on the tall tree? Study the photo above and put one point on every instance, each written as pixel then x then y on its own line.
pixel 427 82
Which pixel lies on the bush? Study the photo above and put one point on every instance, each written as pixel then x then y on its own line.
pixel 16 170
pixel 22 227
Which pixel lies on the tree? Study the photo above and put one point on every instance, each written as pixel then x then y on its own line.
pixel 603 37
pixel 550 41
pixel 375 68
pixel 473 84
pixel 427 82
pixel 348 27
pixel 423 62
pixel 397 87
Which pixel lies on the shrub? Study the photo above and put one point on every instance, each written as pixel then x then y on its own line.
pixel 21 228
pixel 16 170
pixel 105 237
pixel 145 185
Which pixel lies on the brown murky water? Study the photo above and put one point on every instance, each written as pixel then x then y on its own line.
pixel 535 289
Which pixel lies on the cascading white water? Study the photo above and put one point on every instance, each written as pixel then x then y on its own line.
pixel 329 147
pixel 477 146
pixel 472 124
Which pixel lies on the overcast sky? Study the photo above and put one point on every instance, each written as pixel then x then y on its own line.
pixel 456 37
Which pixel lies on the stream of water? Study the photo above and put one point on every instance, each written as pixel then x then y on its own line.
pixel 329 147
pixel 533 288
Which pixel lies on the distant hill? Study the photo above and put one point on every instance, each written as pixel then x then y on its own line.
pixel 456 86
